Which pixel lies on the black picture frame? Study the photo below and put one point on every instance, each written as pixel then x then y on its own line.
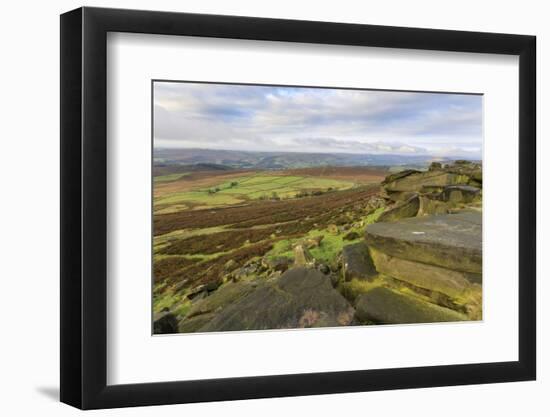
pixel 84 207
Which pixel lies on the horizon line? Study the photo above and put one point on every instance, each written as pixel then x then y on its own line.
pixel 314 152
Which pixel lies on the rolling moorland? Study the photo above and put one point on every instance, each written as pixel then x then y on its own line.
pixel 246 241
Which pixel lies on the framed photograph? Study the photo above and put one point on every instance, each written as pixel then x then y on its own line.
pixel 257 207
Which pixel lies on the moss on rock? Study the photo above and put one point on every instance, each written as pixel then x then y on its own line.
pixel 385 306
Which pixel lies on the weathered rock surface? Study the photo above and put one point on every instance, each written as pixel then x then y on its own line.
pixel 301 297
pixel 385 306
pixel 202 290
pixel 460 194
pixel 230 265
pixel 165 323
pixel 224 296
pixel 434 278
pixel 374 203
pixel 436 191
pixel 417 181
pixel 408 208
pixel 451 241
pixel 399 175
pixel 468 168
pixel 400 195
pixel 279 263
pixel 193 324
pixel 357 263
pixel 429 206
pixel 246 272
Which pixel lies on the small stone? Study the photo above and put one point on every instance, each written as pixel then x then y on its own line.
pixel 246 271
pixel 313 242
pixel 351 236
pixel 230 265
pixel 279 263
pixel 333 229
pixel 302 257
pixel 194 292
pixel 324 268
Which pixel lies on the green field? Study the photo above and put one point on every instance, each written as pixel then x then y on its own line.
pixel 169 177
pixel 251 187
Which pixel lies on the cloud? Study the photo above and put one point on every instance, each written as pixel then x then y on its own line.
pixel 265 118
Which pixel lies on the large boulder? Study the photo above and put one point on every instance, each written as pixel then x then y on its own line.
pixel 385 306
pixel 301 297
pixel 357 263
pixel 415 182
pixel 436 191
pixel 224 296
pixel 434 278
pixel 399 175
pixel 165 323
pixel 193 324
pixel 468 168
pixel 408 208
pixel 451 241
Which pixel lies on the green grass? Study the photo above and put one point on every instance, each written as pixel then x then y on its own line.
pixel 252 187
pixel 330 246
pixel 173 208
pixel 165 300
pixel 373 217
pixel 178 304
pixel 282 248
pixel 182 308
pixel 326 252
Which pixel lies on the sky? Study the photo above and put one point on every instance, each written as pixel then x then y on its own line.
pixel 298 119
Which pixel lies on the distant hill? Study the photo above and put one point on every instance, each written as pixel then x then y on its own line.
pixel 224 159
pixel 176 168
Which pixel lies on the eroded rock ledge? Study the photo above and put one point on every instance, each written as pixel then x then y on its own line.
pixel 299 298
